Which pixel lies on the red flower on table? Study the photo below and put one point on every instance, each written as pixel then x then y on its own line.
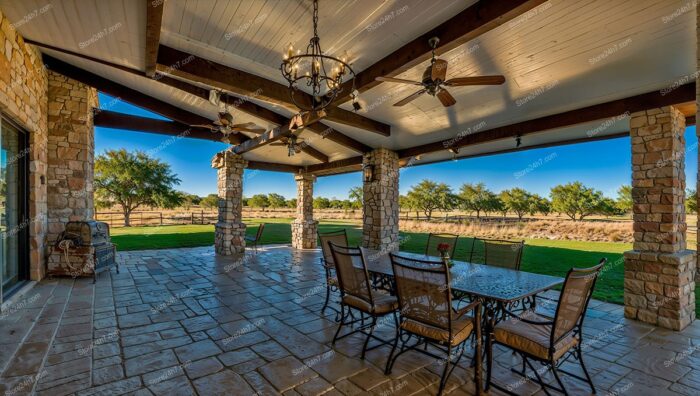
pixel 443 247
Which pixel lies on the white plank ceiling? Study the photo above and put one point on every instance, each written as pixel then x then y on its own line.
pixel 562 56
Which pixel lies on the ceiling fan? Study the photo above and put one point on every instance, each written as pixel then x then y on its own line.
pixel 293 144
pixel 434 82
pixel 224 124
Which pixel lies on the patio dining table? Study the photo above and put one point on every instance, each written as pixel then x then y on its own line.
pixel 497 288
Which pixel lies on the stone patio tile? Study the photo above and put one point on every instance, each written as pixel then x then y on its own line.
pixel 249 365
pixel 369 379
pixel 199 323
pixel 150 362
pixel 27 360
pixel 175 386
pixel 270 350
pixel 337 366
pixel 197 350
pixel 656 362
pixel 314 387
pixel 114 388
pixel 139 339
pixel 222 383
pixel 203 367
pixel 141 349
pixel 259 384
pixel 287 373
pixel 107 374
pixel 238 356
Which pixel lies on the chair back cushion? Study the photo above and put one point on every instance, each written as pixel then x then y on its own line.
pixel 504 254
pixel 574 299
pixel 351 269
pixel 423 290
pixel 339 238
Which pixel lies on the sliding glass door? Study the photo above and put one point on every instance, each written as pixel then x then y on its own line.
pixel 14 263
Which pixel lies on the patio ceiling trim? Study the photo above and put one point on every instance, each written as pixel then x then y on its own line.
pixel 471 23
pixel 130 95
pixel 194 68
pixel 154 20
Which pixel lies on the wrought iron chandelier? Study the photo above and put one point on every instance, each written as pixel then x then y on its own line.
pixel 322 74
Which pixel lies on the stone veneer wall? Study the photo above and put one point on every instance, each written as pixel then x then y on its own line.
pixel 23 99
pixel 380 228
pixel 659 272
pixel 304 226
pixel 230 231
pixel 71 151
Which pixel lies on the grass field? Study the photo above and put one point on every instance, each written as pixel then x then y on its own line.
pixel 552 257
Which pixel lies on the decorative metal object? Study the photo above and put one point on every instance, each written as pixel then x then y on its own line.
pixel 368 173
pixel 322 74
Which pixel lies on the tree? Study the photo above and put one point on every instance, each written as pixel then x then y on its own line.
pixel 356 195
pixel 608 207
pixel 321 203
pixel 292 203
pixel 576 200
pixel 624 198
pixel 517 200
pixel 498 206
pixel 476 197
pixel 428 196
pixel 188 200
pixel 131 180
pixel 539 205
pixel 259 201
pixel 691 201
pixel 276 200
pixel 210 201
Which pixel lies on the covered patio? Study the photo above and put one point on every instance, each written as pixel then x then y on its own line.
pixel 225 320
pixel 187 320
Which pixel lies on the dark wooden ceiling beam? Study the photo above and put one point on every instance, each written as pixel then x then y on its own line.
pixel 601 111
pixel 272 167
pixel 117 120
pixel 131 95
pixel 194 68
pixel 474 21
pixel 154 20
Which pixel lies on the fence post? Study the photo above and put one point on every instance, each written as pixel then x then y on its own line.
pixel 192 217
pixel 202 217
pixel 161 218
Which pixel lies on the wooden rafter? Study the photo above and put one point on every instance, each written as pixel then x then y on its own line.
pixel 474 21
pixel 131 95
pixel 117 120
pixel 194 68
pixel 154 20
pixel 601 111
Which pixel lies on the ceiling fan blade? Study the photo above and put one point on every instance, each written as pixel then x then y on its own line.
pixel 397 80
pixel 213 128
pixel 478 80
pixel 256 131
pixel 409 98
pixel 439 70
pixel 446 98
pixel 244 125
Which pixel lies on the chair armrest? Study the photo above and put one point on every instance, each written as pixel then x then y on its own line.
pixel 534 322
pixel 472 306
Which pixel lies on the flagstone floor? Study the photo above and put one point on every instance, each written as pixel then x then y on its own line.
pixel 183 321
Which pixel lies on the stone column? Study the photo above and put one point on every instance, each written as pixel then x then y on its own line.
pixel 70 151
pixel 380 225
pixel 304 226
pixel 230 231
pixel 659 272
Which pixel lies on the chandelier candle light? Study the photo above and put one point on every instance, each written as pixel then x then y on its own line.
pixel 322 74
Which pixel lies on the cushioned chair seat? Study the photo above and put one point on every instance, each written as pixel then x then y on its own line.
pixel 461 329
pixel 383 303
pixel 530 338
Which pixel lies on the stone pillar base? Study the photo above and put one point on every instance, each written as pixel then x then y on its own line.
pixel 229 238
pixel 304 234
pixel 660 288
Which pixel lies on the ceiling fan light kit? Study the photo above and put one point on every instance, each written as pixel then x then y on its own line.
pixel 434 80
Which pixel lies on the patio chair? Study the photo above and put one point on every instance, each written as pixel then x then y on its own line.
pixel 431 249
pixel 357 293
pixel 250 240
pixel 427 312
pixel 340 238
pixel 502 253
pixel 550 341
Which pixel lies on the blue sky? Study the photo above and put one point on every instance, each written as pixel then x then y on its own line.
pixel 604 165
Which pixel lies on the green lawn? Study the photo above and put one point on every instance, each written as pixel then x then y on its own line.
pixel 552 257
